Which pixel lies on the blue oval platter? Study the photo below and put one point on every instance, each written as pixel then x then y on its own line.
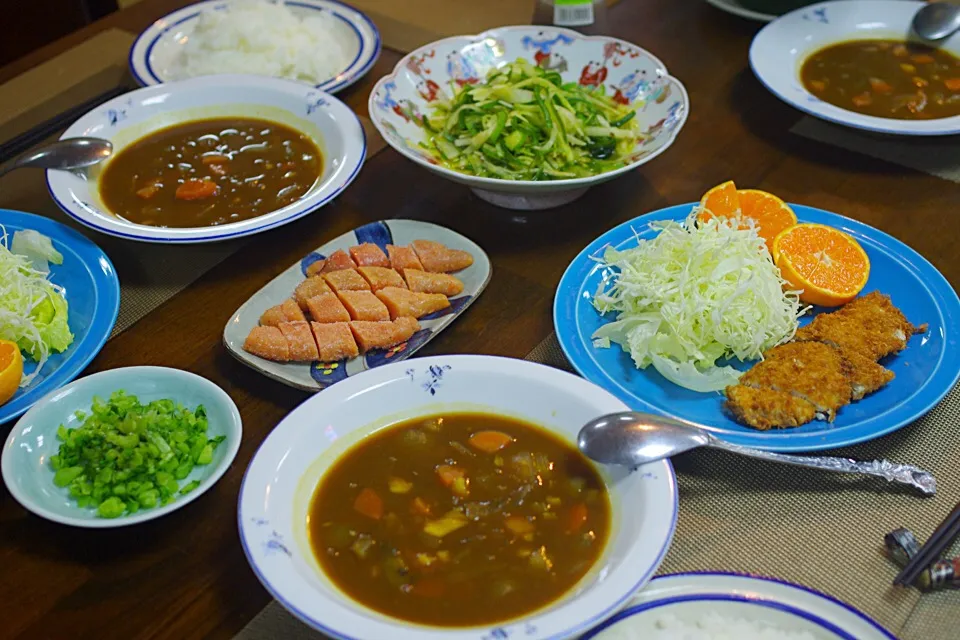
pixel 925 371
pixel 93 297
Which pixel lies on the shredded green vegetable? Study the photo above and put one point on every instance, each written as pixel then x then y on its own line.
pixel 696 293
pixel 33 311
pixel 128 456
pixel 525 123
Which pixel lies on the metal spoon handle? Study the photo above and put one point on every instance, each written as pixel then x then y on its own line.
pixel 891 471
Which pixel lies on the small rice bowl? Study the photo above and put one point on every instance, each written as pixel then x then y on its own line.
pixel 711 626
pixel 266 38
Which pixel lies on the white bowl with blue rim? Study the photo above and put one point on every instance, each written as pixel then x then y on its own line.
pixel 154 57
pixel 25 461
pixel 332 125
pixel 780 49
pixel 634 76
pixel 672 602
pixel 279 483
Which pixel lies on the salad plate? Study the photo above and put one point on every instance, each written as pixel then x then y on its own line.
pixel 780 48
pixel 689 598
pixel 925 371
pixel 320 375
pixel 154 55
pixel 92 291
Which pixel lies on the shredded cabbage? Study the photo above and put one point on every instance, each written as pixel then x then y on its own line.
pixel 33 311
pixel 696 293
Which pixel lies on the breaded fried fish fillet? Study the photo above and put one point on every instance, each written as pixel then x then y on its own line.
pixel 870 325
pixel 812 371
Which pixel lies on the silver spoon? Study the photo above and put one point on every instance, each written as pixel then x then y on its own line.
pixel 936 20
pixel 632 439
pixel 65 155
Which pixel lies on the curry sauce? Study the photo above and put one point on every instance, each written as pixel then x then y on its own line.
pixel 210 172
pixel 459 519
pixel 886 79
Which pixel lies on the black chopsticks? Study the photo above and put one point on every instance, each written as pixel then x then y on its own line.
pixel 931 549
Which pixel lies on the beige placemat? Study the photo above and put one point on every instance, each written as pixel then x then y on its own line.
pixel 150 274
pixel 817 529
pixel 938 156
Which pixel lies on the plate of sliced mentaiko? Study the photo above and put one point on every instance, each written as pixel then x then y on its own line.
pixel 373 295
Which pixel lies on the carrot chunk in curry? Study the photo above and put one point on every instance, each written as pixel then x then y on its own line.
pixel 459 520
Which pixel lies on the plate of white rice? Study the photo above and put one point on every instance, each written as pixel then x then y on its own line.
pixel 726 606
pixel 319 42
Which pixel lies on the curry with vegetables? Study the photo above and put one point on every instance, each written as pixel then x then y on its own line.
pixel 886 78
pixel 459 520
pixel 210 172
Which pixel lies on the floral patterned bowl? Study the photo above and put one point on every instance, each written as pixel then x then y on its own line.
pixel 633 75
pixel 279 483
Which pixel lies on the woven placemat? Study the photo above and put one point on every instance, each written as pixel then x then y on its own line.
pixel 938 156
pixel 817 529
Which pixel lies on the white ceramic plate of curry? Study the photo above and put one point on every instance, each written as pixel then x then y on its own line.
pixel 277 492
pixel 316 376
pixel 780 49
pixel 332 127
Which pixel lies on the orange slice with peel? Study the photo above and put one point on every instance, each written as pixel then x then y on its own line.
pixel 11 369
pixel 828 265
pixel 722 201
pixel 770 214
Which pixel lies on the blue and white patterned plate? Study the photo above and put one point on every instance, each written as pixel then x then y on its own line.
pixel 153 57
pixel 688 598
pixel 925 371
pixel 279 484
pixel 780 48
pixel 332 125
pixel 320 375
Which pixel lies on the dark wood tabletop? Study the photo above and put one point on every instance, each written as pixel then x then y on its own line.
pixel 185 576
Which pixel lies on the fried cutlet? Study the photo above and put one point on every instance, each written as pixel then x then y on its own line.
pixel 870 325
pixel 764 409
pixel 866 376
pixel 812 371
pixel 831 362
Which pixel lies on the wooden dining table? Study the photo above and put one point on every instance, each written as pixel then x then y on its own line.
pixel 185 575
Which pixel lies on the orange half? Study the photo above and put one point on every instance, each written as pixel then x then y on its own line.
pixel 769 214
pixel 772 214
pixel 722 201
pixel 11 369
pixel 828 265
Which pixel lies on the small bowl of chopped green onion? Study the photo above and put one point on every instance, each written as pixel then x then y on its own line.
pixel 529 117
pixel 121 447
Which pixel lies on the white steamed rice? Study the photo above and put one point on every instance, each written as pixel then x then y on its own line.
pixel 712 626
pixel 266 38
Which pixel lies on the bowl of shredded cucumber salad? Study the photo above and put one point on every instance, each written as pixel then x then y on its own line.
pixel 529 117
